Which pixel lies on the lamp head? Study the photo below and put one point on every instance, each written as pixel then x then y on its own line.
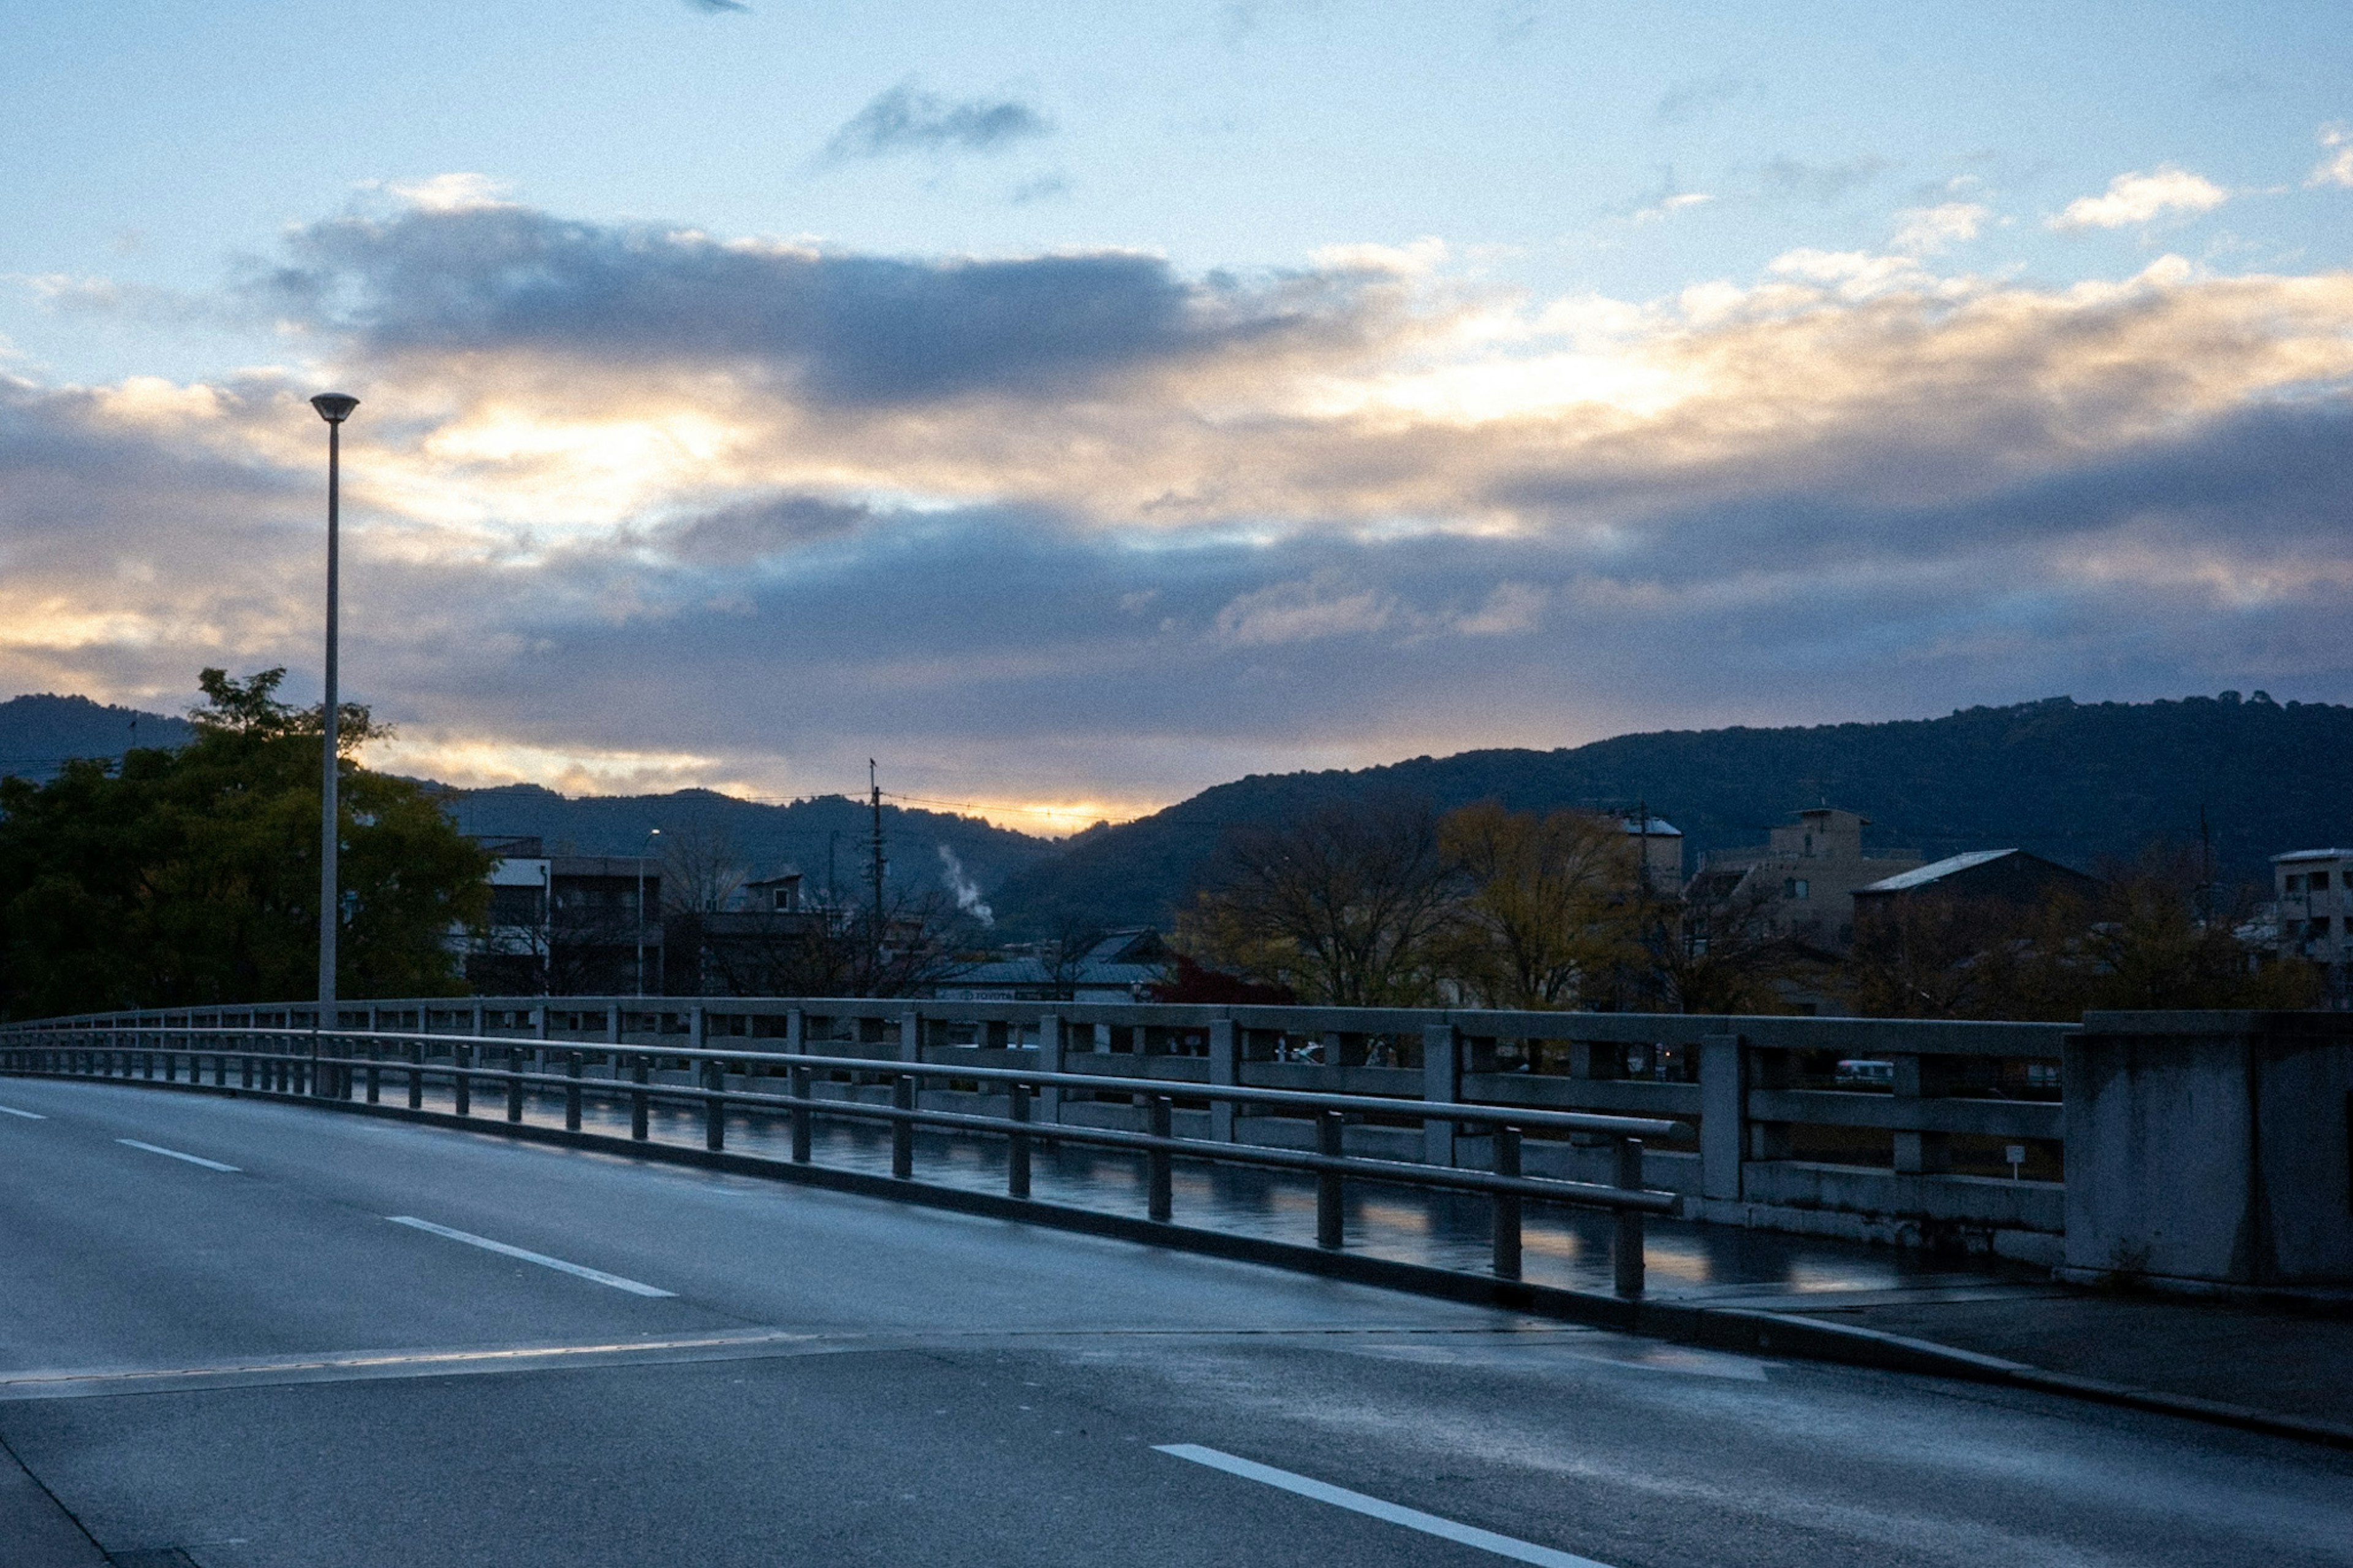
pixel 335 407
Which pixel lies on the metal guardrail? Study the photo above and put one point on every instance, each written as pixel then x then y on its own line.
pixel 340 1063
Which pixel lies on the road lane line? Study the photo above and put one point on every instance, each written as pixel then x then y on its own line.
pixel 1357 1502
pixel 487 1245
pixel 175 1154
pixel 27 1115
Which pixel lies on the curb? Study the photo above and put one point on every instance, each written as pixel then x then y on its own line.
pixel 1740 1330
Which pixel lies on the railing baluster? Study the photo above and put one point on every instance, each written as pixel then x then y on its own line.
pixel 714 1111
pixel 572 1092
pixel 1626 1254
pixel 1330 1223
pixel 802 1116
pixel 461 1093
pixel 514 1083
pixel 902 1131
pixel 1017 1144
pixel 1507 1206
pixel 416 1075
pixel 640 1103
pixel 1157 1121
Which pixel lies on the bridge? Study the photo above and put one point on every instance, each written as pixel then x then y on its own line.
pixel 1176 1285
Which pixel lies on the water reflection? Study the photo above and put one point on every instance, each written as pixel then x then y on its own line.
pixel 1559 1246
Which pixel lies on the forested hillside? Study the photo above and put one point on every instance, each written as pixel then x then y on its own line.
pixel 38 734
pixel 2080 783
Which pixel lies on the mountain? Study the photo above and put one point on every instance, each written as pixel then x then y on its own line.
pixel 2078 782
pixel 39 734
pixel 812 834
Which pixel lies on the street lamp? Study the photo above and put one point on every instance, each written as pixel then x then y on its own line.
pixel 335 407
pixel 651 836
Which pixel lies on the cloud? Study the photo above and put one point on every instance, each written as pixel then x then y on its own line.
pixel 905 119
pixel 717 7
pixel 1666 206
pixel 1928 231
pixel 635 504
pixel 1820 183
pixel 1689 100
pixel 2142 198
pixel 2336 168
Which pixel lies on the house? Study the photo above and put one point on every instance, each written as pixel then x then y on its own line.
pixel 761 944
pixel 2311 908
pixel 2002 876
pixel 1118 966
pixel 1802 883
pixel 565 925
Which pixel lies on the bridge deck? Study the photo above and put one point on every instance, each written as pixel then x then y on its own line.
pixel 256 1365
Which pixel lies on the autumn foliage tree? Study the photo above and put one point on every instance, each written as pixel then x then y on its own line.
pixel 190 876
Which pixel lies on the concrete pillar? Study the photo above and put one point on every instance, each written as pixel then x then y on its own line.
pixel 2211 1147
pixel 1225 1068
pixel 1442 1084
pixel 1049 1059
pixel 1921 1154
pixel 1724 1115
pixel 911 1036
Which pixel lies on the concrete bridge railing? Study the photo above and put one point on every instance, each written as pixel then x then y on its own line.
pixel 2024 1140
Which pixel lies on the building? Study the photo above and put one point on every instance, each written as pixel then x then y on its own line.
pixel 565 925
pixel 764 943
pixel 1118 966
pixel 2312 906
pixel 1659 850
pixel 1999 876
pixel 1802 881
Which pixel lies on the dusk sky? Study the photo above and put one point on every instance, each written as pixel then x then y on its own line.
pixel 1076 406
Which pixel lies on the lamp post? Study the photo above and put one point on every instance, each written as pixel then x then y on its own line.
pixel 335 407
pixel 651 836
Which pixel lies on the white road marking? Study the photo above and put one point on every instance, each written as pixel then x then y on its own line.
pixel 175 1154
pixel 487 1245
pixel 27 1115
pixel 1357 1502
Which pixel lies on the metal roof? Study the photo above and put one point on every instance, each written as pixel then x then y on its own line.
pixel 1935 871
pixel 2312 854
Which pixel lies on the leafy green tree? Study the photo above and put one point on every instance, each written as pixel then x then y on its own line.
pixel 192 876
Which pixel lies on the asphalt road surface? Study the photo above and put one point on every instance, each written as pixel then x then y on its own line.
pixel 262 1336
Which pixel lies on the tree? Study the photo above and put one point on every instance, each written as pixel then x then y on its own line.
pixel 1550 909
pixel 191 877
pixel 1346 907
pixel 701 870
pixel 1715 949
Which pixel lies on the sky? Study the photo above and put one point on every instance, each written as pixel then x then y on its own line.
pixel 1071 407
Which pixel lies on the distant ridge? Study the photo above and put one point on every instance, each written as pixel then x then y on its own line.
pixel 2079 783
pixel 41 733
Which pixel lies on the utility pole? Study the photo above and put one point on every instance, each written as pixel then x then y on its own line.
pixel 874 793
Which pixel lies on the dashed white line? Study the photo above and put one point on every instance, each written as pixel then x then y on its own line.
pixel 27 1115
pixel 175 1154
pixel 577 1270
pixel 1357 1502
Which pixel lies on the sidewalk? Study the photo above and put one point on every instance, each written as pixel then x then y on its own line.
pixel 2293 1365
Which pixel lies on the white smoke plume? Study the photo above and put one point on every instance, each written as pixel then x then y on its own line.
pixel 967 891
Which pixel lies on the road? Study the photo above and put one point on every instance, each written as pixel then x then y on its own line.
pixel 327 1341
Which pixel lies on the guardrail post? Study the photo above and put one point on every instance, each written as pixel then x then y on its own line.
pixel 1049 1059
pixel 572 1091
pixel 641 1103
pixel 1017 1144
pixel 1442 1084
pixel 1722 1115
pixel 714 1105
pixel 1921 1154
pixel 1625 1255
pixel 1507 1206
pixel 416 1074
pixel 1330 1216
pixel 1225 1068
pixel 1157 1121
pixel 902 1131
pixel 461 1084
pixel 514 1083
